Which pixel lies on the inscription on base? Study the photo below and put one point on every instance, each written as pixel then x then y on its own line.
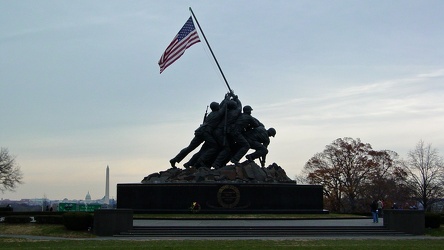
pixel 228 196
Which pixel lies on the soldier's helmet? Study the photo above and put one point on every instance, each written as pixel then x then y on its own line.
pixel 271 132
pixel 232 104
pixel 214 106
pixel 247 109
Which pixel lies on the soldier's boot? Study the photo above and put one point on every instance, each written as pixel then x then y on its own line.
pixel 173 163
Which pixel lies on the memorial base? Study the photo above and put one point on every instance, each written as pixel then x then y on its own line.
pixel 220 198
pixel 109 222
pixel 408 221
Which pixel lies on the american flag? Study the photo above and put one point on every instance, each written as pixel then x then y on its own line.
pixel 186 37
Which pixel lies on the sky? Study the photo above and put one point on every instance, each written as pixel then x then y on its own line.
pixel 80 87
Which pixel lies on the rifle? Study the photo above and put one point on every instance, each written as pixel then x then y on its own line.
pixel 225 125
pixel 205 116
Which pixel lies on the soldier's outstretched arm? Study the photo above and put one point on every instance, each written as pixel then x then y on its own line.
pixel 239 103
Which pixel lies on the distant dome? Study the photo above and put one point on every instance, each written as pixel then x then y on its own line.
pixel 88 197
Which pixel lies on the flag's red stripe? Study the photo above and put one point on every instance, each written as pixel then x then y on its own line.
pixel 177 48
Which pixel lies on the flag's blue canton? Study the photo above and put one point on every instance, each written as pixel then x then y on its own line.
pixel 186 37
pixel 186 29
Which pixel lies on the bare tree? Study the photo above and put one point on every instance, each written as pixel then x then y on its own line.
pixel 388 180
pixel 301 179
pixel 10 174
pixel 343 168
pixel 425 174
pixel 353 174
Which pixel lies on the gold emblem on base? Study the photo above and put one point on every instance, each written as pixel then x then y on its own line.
pixel 228 196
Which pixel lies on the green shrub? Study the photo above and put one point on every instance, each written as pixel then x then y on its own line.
pixel 49 219
pixel 6 209
pixel 432 220
pixel 17 219
pixel 77 220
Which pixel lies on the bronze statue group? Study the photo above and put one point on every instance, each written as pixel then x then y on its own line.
pixel 227 133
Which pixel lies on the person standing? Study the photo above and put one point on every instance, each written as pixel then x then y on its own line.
pixel 380 207
pixel 374 210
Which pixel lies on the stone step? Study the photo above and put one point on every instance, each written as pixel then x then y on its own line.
pixel 245 231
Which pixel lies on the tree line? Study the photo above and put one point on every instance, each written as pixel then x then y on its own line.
pixel 353 174
pixel 10 173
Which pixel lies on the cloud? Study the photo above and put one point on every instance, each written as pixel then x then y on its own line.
pixel 414 94
pixel 433 74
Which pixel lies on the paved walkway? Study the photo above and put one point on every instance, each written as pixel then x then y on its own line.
pixel 259 223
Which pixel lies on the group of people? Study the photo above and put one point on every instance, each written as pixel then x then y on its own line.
pixel 227 133
pixel 376 208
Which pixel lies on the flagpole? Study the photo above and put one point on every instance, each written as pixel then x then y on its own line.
pixel 220 69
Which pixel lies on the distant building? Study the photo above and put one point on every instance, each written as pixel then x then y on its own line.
pixel 106 198
pixel 88 198
pixel 43 204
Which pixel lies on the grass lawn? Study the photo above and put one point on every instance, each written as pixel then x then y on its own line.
pixel 42 230
pixel 10 243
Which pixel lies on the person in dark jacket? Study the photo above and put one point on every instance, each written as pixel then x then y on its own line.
pixel 374 210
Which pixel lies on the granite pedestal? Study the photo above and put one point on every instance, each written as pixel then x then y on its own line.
pixel 219 197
